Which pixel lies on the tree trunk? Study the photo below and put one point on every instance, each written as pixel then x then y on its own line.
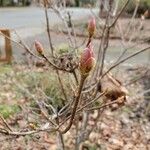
pixel 23 2
pixel 1 3
pixel 12 3
pixel 77 2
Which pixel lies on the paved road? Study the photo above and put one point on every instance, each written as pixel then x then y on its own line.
pixel 30 24
pixel 30 17
pixel 30 21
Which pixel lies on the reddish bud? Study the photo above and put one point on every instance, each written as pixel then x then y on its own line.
pixel 91 26
pixel 39 47
pixel 87 61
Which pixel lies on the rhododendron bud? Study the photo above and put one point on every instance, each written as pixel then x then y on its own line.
pixel 91 26
pixel 39 47
pixel 87 61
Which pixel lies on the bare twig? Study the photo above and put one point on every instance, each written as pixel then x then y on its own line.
pixel 22 45
pixel 80 109
pixel 125 59
pixel 48 29
pixel 105 105
pixel 75 105
pixel 15 133
pixel 61 85
pixel 5 123
pixel 57 67
pixel 123 8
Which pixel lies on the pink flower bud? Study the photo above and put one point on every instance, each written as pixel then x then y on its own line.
pixel 87 61
pixel 91 26
pixel 39 47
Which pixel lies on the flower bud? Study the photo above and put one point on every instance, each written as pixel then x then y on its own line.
pixel 87 61
pixel 39 47
pixel 91 26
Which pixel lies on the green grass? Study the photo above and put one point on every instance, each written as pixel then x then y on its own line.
pixel 30 80
pixel 63 48
pixel 8 110
pixel 5 69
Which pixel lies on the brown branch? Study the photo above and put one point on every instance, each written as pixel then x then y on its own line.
pixel 75 104
pixel 107 104
pixel 125 59
pixel 41 109
pixel 105 38
pixel 21 44
pixel 93 85
pixel 60 136
pixel 80 109
pixel 57 67
pixel 61 85
pixel 19 133
pixel 47 27
pixel 123 8
pixel 5 123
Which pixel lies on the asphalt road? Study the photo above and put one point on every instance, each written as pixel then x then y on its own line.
pixel 29 17
pixel 30 21
pixel 30 24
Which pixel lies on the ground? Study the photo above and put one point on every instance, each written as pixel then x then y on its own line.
pixel 126 128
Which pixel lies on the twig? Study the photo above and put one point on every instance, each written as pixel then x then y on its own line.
pixel 28 132
pixel 43 112
pixel 125 59
pixel 80 109
pixel 5 123
pixel 75 105
pixel 123 8
pixel 57 67
pixel 61 85
pixel 92 101
pixel 105 105
pixel 65 23
pixel 21 44
pixel 60 136
pixel 133 17
pixel 48 29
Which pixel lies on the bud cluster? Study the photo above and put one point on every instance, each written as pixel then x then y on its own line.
pixel 87 61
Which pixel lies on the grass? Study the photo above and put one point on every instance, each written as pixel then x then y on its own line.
pixel 8 110
pixel 5 69
pixel 31 80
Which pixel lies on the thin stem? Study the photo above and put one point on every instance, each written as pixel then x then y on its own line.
pixel 57 67
pixel 75 104
pixel 5 123
pixel 48 29
pixel 130 56
pixel 123 8
pixel 61 85
pixel 107 104
pixel 60 136
pixel 80 109
pixel 21 44
pixel 28 132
